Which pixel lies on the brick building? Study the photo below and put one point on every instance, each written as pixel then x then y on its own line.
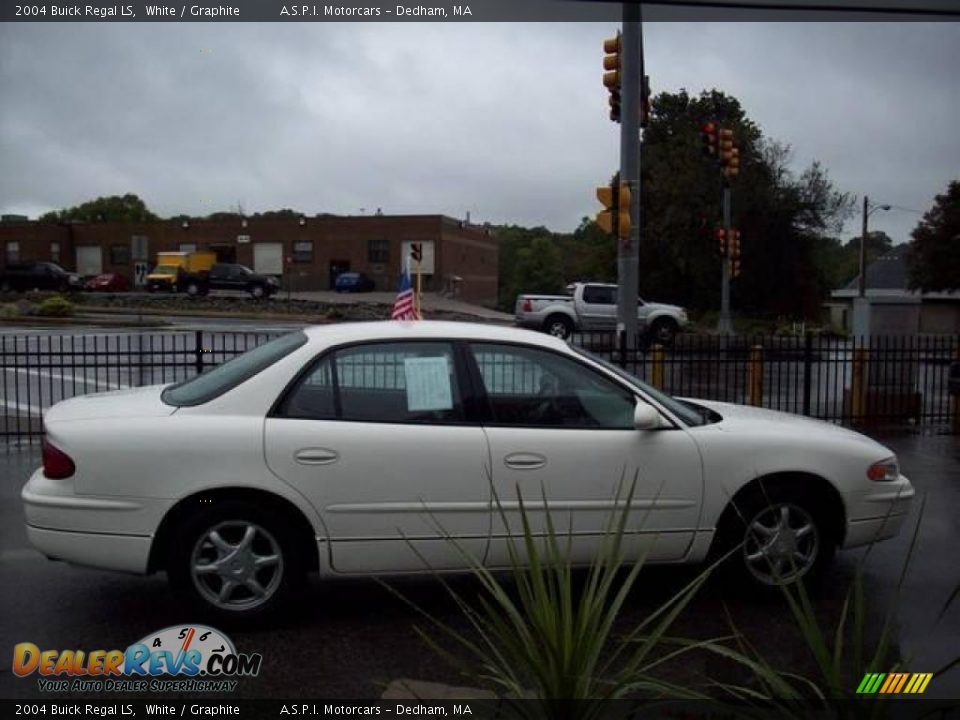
pixel 307 252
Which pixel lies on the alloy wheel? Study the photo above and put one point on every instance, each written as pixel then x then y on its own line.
pixel 781 544
pixel 237 565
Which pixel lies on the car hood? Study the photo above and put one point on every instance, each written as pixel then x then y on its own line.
pixel 745 418
pixel 129 403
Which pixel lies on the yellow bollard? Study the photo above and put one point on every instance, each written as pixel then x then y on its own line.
pixel 755 376
pixel 657 357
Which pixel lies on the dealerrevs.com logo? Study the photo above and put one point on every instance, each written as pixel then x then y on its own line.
pixel 200 658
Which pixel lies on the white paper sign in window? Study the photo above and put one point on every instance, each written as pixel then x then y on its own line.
pixel 428 383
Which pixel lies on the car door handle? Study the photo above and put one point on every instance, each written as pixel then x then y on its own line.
pixel 316 456
pixel 524 461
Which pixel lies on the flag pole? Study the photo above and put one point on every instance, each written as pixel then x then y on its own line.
pixel 419 313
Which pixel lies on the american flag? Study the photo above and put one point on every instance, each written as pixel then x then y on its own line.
pixel 403 306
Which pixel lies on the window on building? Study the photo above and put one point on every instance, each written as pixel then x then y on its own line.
pixel 13 251
pixel 119 255
pixel 140 251
pixel 55 251
pixel 378 251
pixel 303 251
pixel 188 247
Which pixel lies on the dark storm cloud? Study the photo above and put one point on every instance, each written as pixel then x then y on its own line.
pixel 506 121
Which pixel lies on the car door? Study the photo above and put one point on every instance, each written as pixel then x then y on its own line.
pixel 598 307
pixel 376 437
pixel 562 438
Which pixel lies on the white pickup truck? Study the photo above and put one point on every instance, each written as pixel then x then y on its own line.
pixel 593 306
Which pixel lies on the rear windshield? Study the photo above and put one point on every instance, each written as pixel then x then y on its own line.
pixel 217 381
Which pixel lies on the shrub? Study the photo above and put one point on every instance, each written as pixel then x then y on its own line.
pixel 9 311
pixel 56 306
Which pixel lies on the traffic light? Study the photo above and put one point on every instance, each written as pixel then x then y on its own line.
pixel 623 213
pixel 735 243
pixel 732 166
pixel 709 138
pixel 734 267
pixel 615 197
pixel 645 102
pixel 416 251
pixel 721 236
pixel 607 219
pixel 725 145
pixel 611 76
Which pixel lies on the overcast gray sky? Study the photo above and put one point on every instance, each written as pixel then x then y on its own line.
pixel 506 121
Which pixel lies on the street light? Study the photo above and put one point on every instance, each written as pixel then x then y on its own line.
pixel 868 210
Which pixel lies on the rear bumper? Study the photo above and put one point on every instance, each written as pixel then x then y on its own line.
pixel 125 553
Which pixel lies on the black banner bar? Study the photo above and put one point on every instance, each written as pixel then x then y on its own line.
pixel 172 11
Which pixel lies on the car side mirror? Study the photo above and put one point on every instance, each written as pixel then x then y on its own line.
pixel 645 417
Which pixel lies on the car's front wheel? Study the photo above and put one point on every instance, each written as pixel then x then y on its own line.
pixel 777 536
pixel 664 331
pixel 235 562
pixel 193 289
pixel 256 291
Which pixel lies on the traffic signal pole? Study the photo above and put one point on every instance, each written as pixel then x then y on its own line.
pixel 725 324
pixel 628 253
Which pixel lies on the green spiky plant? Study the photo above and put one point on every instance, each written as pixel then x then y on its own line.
pixel 552 640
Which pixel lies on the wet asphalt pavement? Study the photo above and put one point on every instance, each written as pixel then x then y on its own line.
pixel 349 638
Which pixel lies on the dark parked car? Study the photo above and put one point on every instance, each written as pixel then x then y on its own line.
pixel 353 282
pixel 39 275
pixel 227 276
pixel 108 282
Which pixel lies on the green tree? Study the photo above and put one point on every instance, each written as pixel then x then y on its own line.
pixel 934 255
pixel 115 208
pixel 783 218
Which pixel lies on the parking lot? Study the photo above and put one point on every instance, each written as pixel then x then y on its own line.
pixel 350 638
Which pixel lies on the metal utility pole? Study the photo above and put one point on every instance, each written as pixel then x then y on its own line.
pixel 862 284
pixel 628 256
pixel 725 325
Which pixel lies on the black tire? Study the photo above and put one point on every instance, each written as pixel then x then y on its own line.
pixel 559 326
pixel 193 289
pixel 767 525
pixel 245 566
pixel 256 292
pixel 664 331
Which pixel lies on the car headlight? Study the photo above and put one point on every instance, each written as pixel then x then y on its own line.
pixel 884 471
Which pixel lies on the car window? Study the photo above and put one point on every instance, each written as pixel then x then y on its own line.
pixel 227 376
pixel 600 295
pixel 382 382
pixel 681 410
pixel 531 387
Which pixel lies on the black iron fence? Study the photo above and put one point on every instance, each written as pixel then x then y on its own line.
pixel 886 380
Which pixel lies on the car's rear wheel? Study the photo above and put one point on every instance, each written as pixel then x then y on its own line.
pixel 193 289
pixel 235 562
pixel 778 536
pixel 558 326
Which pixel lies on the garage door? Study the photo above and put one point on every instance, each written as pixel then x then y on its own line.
pixel 268 258
pixel 89 260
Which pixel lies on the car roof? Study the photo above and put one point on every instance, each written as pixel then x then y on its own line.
pixel 337 333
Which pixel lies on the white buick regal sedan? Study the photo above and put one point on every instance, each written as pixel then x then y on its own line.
pixel 355 449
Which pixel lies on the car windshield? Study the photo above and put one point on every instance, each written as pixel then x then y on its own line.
pixel 166 269
pixel 683 411
pixel 227 376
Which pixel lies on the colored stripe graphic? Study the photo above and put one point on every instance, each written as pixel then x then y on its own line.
pixel 894 683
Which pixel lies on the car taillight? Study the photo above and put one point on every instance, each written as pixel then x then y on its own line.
pixel 57 465
pixel 527 305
